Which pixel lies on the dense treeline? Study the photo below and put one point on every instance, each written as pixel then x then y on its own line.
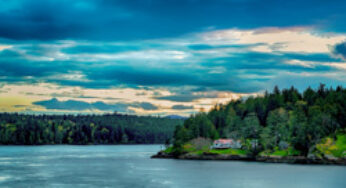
pixel 286 117
pixel 84 129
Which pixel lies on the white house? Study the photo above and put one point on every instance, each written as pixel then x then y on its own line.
pixel 226 143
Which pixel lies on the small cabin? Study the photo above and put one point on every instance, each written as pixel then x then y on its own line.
pixel 226 143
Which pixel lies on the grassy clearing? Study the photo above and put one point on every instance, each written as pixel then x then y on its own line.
pixel 329 146
pixel 168 150
pixel 286 152
pixel 229 151
pixel 282 153
pixel 189 148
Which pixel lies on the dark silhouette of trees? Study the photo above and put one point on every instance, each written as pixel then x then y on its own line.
pixel 84 129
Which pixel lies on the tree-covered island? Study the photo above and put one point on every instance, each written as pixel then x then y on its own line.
pixel 282 126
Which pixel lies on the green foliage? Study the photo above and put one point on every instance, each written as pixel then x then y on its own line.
pixel 168 150
pixel 250 127
pixel 229 151
pixel 330 146
pixel 196 126
pixel 297 121
pixel 282 153
pixel 84 129
pixel 191 147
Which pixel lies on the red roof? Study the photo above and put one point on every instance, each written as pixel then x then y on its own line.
pixel 224 141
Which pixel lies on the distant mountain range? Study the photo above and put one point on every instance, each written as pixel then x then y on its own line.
pixel 175 117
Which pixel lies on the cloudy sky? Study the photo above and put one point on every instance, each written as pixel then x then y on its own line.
pixel 163 56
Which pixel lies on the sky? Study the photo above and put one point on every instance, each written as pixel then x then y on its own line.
pixel 161 57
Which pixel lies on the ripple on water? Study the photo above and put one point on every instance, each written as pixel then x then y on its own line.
pixel 162 182
pixel 6 159
pixel 4 178
pixel 150 169
pixel 5 163
pixel 35 164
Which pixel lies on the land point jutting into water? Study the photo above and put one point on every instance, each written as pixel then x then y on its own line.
pixel 279 126
pixel 282 126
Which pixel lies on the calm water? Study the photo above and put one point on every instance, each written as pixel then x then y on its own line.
pixel 131 166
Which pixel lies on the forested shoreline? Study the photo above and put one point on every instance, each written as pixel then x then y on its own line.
pixel 281 123
pixel 21 129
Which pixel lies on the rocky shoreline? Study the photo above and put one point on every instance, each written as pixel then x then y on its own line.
pixel 267 159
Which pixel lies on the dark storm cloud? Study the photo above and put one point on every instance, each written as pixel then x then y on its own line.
pixel 212 47
pixel 252 61
pixel 187 97
pixel 14 64
pixel 60 19
pixel 182 107
pixel 140 75
pixel 145 106
pixel 122 19
pixel 340 49
pixel 55 104
pixel 113 28
pixel 247 68
pixel 317 57
pixel 180 98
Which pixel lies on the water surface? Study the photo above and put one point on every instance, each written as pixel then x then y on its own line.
pixel 131 166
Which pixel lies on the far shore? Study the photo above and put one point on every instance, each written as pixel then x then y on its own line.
pixel 267 159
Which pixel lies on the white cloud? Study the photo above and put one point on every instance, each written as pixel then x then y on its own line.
pixel 134 55
pixel 337 65
pixel 299 39
pixel 308 64
pixel 313 64
pixel 71 75
pixel 3 47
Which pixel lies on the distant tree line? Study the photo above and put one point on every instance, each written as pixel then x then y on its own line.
pixel 84 129
pixel 280 117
